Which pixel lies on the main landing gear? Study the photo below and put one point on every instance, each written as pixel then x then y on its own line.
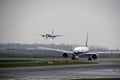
pixel 75 57
pixel 89 58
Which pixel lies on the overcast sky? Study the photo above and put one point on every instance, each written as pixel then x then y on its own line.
pixel 22 20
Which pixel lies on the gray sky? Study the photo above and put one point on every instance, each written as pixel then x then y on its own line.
pixel 22 20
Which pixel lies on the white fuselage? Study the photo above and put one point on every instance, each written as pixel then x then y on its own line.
pixel 80 50
pixel 49 35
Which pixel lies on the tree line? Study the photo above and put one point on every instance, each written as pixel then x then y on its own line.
pixel 69 47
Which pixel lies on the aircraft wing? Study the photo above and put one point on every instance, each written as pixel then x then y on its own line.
pixel 57 35
pixel 108 52
pixel 58 50
pixel 42 35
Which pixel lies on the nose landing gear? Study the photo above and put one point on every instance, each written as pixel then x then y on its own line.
pixel 75 57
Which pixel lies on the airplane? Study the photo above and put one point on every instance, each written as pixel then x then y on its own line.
pixel 51 35
pixel 81 51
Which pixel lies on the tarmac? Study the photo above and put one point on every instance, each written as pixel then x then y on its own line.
pixel 106 68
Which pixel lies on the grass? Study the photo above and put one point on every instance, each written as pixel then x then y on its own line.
pixel 19 63
pixel 99 79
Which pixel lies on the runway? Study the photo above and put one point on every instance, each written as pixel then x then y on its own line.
pixel 64 72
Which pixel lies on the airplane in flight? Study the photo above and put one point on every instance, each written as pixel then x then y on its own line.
pixel 81 51
pixel 50 35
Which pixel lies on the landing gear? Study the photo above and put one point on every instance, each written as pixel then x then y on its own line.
pixel 74 57
pixel 89 58
pixel 77 57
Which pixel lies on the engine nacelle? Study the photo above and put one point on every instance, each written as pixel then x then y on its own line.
pixel 94 56
pixel 65 55
pixel 43 35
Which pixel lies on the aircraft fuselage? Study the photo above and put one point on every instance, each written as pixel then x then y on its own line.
pixel 80 50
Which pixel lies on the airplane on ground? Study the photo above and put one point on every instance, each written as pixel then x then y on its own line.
pixel 51 35
pixel 81 51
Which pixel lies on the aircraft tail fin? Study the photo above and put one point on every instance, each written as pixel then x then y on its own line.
pixel 52 31
pixel 86 44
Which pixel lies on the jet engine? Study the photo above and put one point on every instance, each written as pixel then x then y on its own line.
pixel 65 55
pixel 94 56
pixel 43 35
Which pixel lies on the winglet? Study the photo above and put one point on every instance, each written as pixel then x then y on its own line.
pixel 86 40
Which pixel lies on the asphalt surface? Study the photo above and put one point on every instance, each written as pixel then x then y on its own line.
pixel 104 69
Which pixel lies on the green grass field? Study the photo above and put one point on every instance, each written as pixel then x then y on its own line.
pixel 99 79
pixel 24 63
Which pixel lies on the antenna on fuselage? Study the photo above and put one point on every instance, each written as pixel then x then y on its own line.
pixel 86 40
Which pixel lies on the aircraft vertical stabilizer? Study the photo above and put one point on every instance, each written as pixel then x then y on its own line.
pixel 86 40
